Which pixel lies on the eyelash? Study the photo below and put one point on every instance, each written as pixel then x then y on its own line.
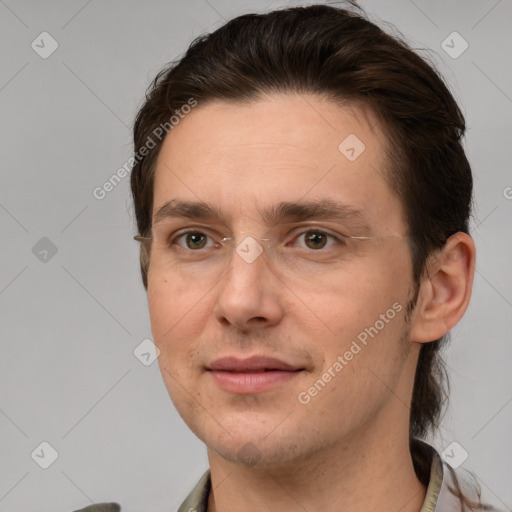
pixel 340 239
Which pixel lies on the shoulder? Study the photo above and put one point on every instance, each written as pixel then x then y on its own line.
pixel 101 507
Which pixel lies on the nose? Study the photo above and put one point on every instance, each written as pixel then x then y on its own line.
pixel 249 291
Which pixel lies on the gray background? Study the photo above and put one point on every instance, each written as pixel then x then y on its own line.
pixel 70 323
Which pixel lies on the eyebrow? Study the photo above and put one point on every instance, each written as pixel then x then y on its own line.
pixel 325 209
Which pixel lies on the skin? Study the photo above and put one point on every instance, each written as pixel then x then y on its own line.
pixel 347 449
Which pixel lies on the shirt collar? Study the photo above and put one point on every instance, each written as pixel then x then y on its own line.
pixel 438 497
pixel 197 500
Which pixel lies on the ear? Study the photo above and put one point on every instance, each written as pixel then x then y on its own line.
pixel 445 289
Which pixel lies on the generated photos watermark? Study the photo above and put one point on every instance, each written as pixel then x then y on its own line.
pixel 306 396
pixel 100 192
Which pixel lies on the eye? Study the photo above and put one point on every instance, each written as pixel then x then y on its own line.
pixel 193 240
pixel 315 239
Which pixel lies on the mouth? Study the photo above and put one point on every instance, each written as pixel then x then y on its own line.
pixel 253 375
pixel 253 372
pixel 254 364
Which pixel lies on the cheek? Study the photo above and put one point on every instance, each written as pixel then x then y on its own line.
pixel 158 303
pixel 172 327
pixel 170 300
pixel 177 315
pixel 353 298
pixel 365 306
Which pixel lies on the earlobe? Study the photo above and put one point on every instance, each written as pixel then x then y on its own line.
pixel 445 289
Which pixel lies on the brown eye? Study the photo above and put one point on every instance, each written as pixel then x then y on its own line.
pixel 315 239
pixel 195 240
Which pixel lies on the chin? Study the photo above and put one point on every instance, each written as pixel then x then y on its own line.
pixel 253 455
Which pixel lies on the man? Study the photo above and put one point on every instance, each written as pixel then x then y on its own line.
pixel 302 198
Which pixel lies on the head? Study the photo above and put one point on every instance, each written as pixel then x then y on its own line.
pixel 261 107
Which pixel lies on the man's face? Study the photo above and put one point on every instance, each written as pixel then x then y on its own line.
pixel 310 303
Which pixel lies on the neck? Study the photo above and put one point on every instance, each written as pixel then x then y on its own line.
pixel 365 473
pixel 368 469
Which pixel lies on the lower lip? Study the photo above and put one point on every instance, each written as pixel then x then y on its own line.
pixel 251 382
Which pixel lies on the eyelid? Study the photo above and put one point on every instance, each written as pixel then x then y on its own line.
pixel 181 233
pixel 338 238
pixel 297 232
pixel 305 229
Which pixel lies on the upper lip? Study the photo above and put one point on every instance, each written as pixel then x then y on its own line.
pixel 254 363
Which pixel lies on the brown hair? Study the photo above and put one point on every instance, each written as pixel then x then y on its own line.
pixel 341 55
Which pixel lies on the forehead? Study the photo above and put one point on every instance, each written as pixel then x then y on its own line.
pixel 243 157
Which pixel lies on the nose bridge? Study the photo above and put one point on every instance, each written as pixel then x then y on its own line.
pixel 247 259
pixel 241 286
pixel 247 294
pixel 250 247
